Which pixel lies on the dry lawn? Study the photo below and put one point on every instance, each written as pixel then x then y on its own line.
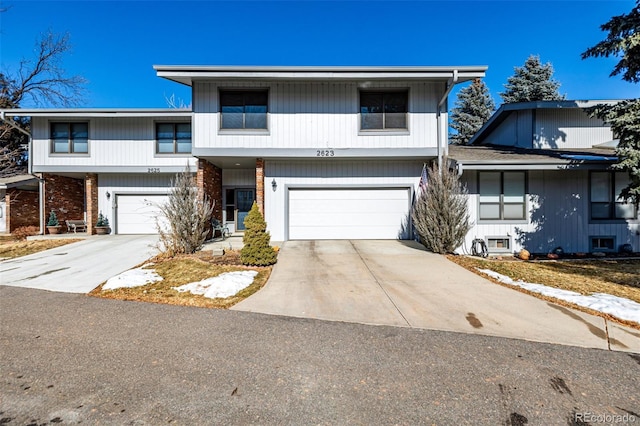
pixel 619 277
pixel 13 249
pixel 182 270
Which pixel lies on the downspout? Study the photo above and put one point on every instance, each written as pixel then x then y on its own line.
pixel 450 83
pixel 10 122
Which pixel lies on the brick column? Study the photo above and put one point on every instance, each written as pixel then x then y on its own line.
pixel 91 196
pixel 260 184
pixel 209 182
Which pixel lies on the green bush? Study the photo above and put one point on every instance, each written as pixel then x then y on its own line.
pixel 102 220
pixel 256 250
pixel 53 219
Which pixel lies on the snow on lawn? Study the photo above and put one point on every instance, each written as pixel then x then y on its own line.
pixel 132 278
pixel 617 306
pixel 224 285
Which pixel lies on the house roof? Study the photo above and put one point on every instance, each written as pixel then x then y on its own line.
pixel 17 180
pixel 96 112
pixel 506 109
pixel 488 157
pixel 186 74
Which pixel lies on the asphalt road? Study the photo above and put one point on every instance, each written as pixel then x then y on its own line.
pixel 69 358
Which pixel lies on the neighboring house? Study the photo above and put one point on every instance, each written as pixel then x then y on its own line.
pixel 539 176
pixel 326 152
pixel 18 202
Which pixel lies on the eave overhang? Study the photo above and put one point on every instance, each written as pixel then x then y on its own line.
pixel 187 74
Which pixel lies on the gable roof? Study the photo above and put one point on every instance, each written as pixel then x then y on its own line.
pixel 506 109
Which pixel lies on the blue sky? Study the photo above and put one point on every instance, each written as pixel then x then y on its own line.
pixel 116 43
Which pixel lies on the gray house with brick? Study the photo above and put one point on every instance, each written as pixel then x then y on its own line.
pixel 326 152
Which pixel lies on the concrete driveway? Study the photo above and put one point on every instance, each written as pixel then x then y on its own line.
pixel 399 283
pixel 78 267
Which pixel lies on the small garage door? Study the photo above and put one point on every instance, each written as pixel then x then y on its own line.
pixel 354 213
pixel 136 214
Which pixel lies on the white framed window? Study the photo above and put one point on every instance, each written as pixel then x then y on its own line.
pixel 384 110
pixel 244 109
pixel 70 138
pixel 605 189
pixel 502 195
pixel 173 138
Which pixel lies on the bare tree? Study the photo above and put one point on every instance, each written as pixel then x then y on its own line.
pixel 440 213
pixel 41 81
pixel 184 224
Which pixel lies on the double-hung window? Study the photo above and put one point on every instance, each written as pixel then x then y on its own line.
pixel 502 195
pixel 70 138
pixel 605 189
pixel 173 138
pixel 243 110
pixel 384 110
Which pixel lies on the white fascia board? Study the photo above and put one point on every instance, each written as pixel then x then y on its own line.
pixel 186 74
pixel 92 112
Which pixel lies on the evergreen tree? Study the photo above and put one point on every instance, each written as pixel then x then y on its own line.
pixel 473 108
pixel 623 41
pixel 532 82
pixel 256 250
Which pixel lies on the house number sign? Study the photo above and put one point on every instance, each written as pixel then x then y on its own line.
pixel 325 153
pixel 153 170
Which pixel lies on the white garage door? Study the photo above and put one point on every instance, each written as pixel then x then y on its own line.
pixel 355 213
pixel 136 214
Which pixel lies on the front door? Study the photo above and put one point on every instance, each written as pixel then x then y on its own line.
pixel 244 201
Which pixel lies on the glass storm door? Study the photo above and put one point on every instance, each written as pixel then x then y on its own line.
pixel 244 201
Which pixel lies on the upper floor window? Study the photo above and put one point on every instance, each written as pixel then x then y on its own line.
pixel 173 138
pixel 384 110
pixel 70 138
pixel 243 109
pixel 502 195
pixel 605 188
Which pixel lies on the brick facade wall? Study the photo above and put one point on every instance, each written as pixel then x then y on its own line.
pixel 65 195
pixel 91 197
pixel 209 181
pixel 22 209
pixel 260 184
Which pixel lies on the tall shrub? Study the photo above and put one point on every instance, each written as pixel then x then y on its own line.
pixel 440 213
pixel 186 215
pixel 256 250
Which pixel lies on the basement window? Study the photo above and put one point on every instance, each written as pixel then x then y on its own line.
pixel 603 243
pixel 499 244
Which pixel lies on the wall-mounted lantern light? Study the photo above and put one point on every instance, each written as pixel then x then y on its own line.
pixel 108 194
pixel 274 185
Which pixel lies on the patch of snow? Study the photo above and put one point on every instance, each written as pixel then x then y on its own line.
pixel 619 307
pixel 224 285
pixel 132 278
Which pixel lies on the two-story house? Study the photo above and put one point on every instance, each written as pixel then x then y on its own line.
pixel 326 152
pixel 539 176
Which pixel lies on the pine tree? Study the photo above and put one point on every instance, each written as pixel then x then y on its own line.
pixel 532 82
pixel 474 106
pixel 624 117
pixel 256 250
